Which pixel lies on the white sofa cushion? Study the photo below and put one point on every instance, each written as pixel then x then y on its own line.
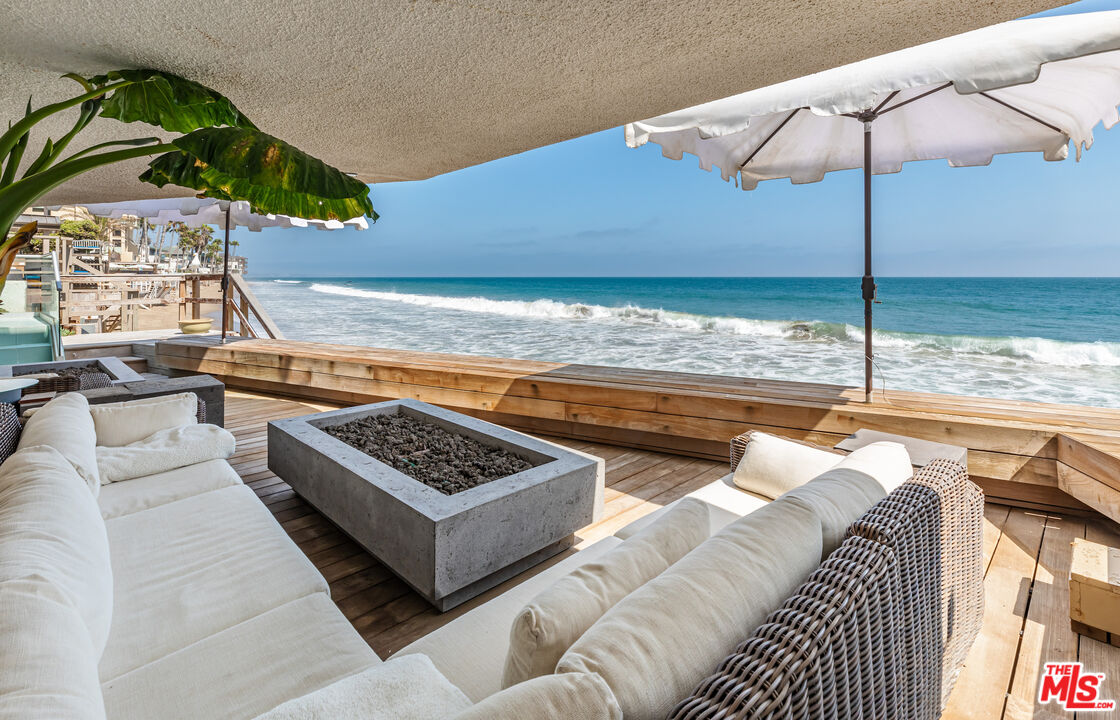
pixel 887 462
pixel 124 498
pixel 123 423
pixel 51 532
pixel 193 567
pixel 164 450
pixel 48 667
pixel 247 669
pixel 726 502
pixel 405 688
pixel 772 466
pixel 65 424
pixel 572 696
pixel 654 646
pixel 471 650
pixel 548 625
pixel 838 497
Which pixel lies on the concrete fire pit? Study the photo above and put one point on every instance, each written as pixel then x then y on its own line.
pixel 449 548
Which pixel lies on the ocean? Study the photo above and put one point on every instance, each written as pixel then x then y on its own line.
pixel 1048 339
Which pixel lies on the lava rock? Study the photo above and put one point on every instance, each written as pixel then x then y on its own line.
pixel 442 460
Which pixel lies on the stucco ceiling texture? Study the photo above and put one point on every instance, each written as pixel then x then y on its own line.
pixel 396 90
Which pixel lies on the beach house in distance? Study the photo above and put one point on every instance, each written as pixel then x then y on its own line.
pixel 192 528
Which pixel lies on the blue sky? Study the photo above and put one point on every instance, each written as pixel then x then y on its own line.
pixel 593 207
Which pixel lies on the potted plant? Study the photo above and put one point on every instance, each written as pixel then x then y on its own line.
pixel 216 151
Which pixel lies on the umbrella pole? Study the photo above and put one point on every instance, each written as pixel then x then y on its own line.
pixel 225 278
pixel 868 285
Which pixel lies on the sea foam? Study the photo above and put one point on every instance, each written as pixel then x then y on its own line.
pixel 1030 349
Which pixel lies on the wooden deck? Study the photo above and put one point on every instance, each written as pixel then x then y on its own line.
pixel 1027 555
pixel 1026 617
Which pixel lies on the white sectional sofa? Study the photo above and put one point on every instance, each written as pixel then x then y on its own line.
pixel 216 613
pixel 177 595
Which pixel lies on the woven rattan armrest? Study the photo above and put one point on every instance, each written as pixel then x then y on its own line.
pixel 60 384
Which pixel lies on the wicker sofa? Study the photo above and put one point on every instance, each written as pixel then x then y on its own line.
pixel 879 630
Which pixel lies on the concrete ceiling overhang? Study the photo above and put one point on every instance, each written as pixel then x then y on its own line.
pixel 407 90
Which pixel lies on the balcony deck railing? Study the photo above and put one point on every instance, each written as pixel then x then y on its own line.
pixel 1044 456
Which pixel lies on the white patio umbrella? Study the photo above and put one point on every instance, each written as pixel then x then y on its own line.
pixel 1021 86
pixel 196 212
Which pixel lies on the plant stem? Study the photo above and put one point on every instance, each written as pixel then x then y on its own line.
pixel 23 193
pixel 110 143
pixel 19 129
pixel 14 158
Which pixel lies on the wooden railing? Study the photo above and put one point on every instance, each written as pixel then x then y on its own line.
pixel 133 302
pixel 114 302
pixel 1022 453
pixel 244 304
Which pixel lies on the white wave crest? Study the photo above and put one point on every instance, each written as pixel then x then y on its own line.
pixel 574 311
pixel 1037 350
pixel 289 282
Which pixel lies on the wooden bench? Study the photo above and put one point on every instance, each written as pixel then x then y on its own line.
pixel 922 452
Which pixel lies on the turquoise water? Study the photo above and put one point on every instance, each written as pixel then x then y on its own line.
pixel 1033 338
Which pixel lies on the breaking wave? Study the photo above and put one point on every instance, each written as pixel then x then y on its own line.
pixel 289 282
pixel 1032 349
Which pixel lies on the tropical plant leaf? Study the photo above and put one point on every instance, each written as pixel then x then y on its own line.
pixel 167 101
pixel 246 164
pixel 179 168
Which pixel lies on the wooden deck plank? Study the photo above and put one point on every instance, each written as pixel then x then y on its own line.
pixel 982 687
pixel 1026 558
pixel 995 516
pixel 1046 632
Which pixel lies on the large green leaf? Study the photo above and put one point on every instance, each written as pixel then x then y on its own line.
pixel 167 101
pixel 246 164
pixel 179 168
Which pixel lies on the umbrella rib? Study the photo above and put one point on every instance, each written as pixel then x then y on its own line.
pixel 769 137
pixel 1024 113
pixel 927 93
pixel 886 100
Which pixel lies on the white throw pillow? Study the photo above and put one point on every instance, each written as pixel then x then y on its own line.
pixel 571 696
pixel 548 625
pixel 48 669
pixel 661 640
pixel 52 534
pixel 404 688
pixel 163 451
pixel 123 423
pixel 65 424
pixel 772 466
pixel 887 462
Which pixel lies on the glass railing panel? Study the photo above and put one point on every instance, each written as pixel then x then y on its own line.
pixel 33 287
